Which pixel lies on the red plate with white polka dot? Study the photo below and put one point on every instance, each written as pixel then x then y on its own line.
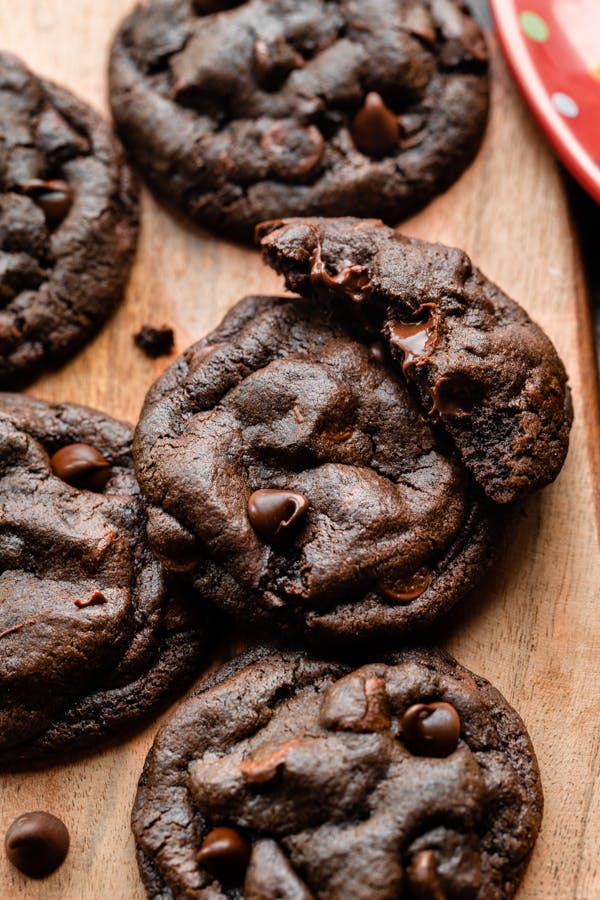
pixel 553 48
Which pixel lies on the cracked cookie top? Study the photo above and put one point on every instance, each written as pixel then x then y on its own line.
pixel 290 475
pixel 92 637
pixel 289 777
pixel 68 222
pixel 477 364
pixel 242 111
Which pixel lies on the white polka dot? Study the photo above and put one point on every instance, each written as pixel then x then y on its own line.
pixel 565 105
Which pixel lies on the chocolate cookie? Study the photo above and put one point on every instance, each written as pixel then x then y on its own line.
pixel 92 636
pixel 290 474
pixel 480 368
pixel 289 778
pixel 68 223
pixel 242 111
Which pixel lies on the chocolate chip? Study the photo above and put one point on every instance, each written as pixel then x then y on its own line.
pixel 53 197
pixel 375 128
pixel 272 512
pixel 431 729
pixel 155 342
pixel 82 466
pixel 225 853
pixel 409 589
pixel 37 843
pixel 422 877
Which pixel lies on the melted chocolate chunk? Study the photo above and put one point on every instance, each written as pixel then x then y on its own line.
pixel 416 337
pixel 37 843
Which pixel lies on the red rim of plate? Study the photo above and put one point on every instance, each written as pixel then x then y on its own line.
pixel 518 50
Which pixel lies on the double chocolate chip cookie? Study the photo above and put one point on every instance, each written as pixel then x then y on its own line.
pixel 92 636
pixel 290 778
pixel 289 473
pixel 68 223
pixel 241 111
pixel 335 465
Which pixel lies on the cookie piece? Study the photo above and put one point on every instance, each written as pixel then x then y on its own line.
pixel 68 223
pixel 290 474
pixel 289 777
pixel 93 638
pixel 239 112
pixel 477 363
pixel 155 342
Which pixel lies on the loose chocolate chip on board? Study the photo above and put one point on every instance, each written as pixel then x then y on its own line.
pixel 155 342
pixel 37 843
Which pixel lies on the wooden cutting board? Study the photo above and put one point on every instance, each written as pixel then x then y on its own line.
pixel 531 627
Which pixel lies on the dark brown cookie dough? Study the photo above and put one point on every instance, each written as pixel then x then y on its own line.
pixel 275 107
pixel 93 638
pixel 289 778
pixel 290 474
pixel 68 223
pixel 479 366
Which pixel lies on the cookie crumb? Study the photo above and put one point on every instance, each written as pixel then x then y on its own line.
pixel 155 342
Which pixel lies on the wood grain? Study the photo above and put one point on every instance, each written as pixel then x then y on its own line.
pixel 531 628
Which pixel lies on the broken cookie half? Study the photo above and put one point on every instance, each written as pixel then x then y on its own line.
pixel 477 363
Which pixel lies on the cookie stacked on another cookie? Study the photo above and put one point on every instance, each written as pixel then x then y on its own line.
pixel 476 363
pixel 292 778
pixel 242 111
pixel 93 636
pixel 68 223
